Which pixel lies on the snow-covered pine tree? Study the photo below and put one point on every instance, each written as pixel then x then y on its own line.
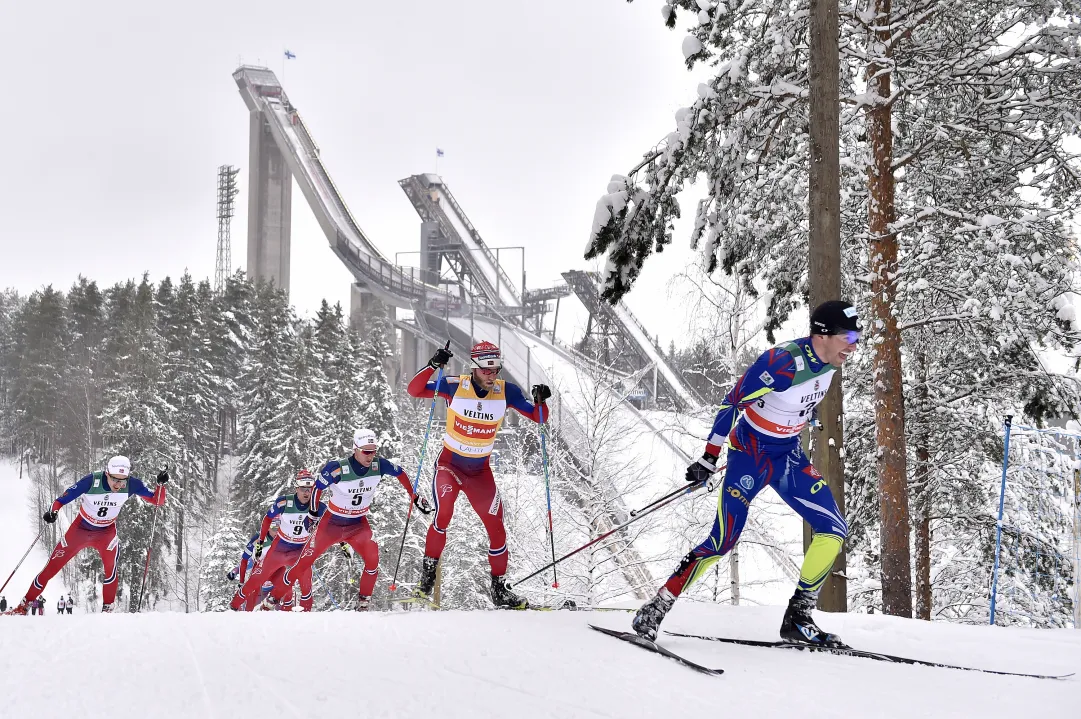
pixel 222 554
pixel 264 468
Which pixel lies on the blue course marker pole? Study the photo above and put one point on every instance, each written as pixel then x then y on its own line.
pixel 1001 502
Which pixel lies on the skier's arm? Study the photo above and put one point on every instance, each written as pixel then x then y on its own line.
pixel 392 470
pixel 330 473
pixel 773 371
pixel 423 385
pixel 517 401
pixel 74 491
pixel 155 497
pixel 274 511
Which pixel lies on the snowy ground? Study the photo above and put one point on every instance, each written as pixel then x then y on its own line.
pixel 19 532
pixel 511 664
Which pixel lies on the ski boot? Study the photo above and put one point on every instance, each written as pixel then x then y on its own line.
pixel 269 604
pixel 107 608
pixel 798 626
pixel 427 579
pixel 647 620
pixel 363 603
pixel 22 608
pixel 502 596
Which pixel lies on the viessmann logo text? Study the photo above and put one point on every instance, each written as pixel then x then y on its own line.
pixel 472 430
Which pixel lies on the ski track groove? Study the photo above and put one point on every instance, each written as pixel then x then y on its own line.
pixel 199 672
pixel 252 672
pixel 534 695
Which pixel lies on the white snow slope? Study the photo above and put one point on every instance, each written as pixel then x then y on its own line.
pixel 512 664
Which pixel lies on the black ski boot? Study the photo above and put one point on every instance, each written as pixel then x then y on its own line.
pixel 504 597
pixel 798 626
pixel 647 620
pixel 363 603
pixel 427 579
pixel 107 608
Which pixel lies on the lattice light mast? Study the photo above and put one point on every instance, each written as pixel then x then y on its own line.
pixel 227 190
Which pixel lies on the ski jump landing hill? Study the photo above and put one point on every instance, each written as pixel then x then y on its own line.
pixel 460 291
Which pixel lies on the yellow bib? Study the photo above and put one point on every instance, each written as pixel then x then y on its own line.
pixel 472 421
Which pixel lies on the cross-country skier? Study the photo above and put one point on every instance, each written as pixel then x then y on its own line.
pixel 476 406
pixel 247 562
pixel 777 396
pixel 295 514
pixel 103 496
pixel 352 483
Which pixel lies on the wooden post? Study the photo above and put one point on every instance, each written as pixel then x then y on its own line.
pixel 824 261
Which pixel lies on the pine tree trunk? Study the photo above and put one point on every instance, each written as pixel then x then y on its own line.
pixel 886 338
pixel 824 261
pixel 922 496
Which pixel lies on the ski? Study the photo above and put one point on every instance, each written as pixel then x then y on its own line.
pixel 632 638
pixel 850 652
pixel 419 601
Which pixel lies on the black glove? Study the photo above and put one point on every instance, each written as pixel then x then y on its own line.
pixel 313 517
pixel 441 357
pixel 703 469
pixel 259 552
pixel 541 392
pixel 49 516
pixel 422 504
pixel 231 575
pixel 163 476
pixel 345 548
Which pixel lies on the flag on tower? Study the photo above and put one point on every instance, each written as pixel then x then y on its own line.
pixel 438 152
pixel 290 56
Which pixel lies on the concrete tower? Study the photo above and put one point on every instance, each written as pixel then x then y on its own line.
pixel 270 197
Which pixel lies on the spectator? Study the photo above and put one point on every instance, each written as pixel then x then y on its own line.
pixel 3 604
pixel 60 605
pixel 70 604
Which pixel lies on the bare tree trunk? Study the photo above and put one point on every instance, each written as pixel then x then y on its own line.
pixel 886 338
pixel 733 574
pixel 824 262
pixel 922 497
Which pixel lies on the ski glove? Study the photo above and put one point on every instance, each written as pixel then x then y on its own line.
pixel 541 392
pixel 345 548
pixel 163 476
pixel 440 358
pixel 259 552
pixel 422 504
pixel 703 469
pixel 231 576
pixel 49 516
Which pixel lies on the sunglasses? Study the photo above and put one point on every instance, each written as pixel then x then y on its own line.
pixel 368 452
pixel 851 336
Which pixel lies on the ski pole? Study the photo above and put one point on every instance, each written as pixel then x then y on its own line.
pixel 315 573
pixel 146 566
pixel 548 494
pixel 25 555
pixel 416 479
pixel 636 512
pixel 658 504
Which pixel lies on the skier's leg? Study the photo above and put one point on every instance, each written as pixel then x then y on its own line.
pixel 749 469
pixel 445 488
pixel 481 491
pixel 269 569
pixel 363 542
pixel 804 490
pixel 744 478
pixel 108 547
pixel 304 579
pixel 73 541
pixel 326 535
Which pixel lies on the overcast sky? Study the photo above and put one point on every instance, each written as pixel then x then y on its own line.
pixel 118 115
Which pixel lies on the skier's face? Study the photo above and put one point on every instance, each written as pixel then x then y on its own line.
pixel 835 349
pixel 485 377
pixel 117 483
pixel 364 455
pixel 304 494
